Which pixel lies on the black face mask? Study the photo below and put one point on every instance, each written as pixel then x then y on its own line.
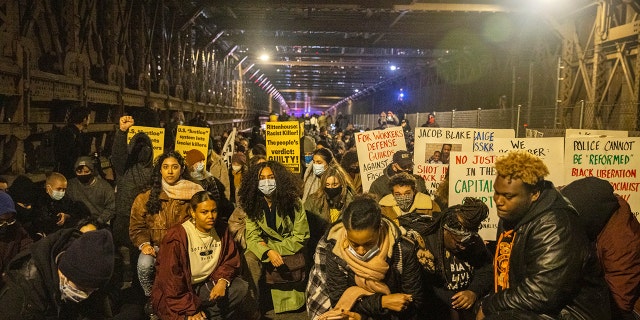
pixel 4 231
pixel 333 192
pixel 85 178
pixel 354 170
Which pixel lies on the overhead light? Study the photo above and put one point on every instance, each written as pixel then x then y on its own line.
pixel 393 68
pixel 264 57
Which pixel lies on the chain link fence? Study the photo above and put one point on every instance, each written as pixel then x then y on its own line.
pixel 546 121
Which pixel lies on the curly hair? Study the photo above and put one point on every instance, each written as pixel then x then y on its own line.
pixel 286 197
pixel 403 179
pixel 153 205
pixel 522 165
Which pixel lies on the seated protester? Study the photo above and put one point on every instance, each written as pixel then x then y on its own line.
pixel 402 162
pixel 93 191
pixel 218 167
pixel 198 267
pixel 371 270
pixel 238 168
pixel 615 233
pixel 458 264
pixel 276 227
pixel 544 267
pixel 237 221
pixel 60 277
pixel 156 210
pixel 13 237
pixel 405 200
pixel 53 210
pixel 322 158
pixel 195 162
pixel 23 192
pixel 323 206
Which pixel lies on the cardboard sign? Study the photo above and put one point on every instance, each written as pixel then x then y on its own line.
pixel 375 152
pixel 483 139
pixel 616 160
pixel 155 134
pixel 471 174
pixel 549 150
pixel 283 144
pixel 188 138
pixel 229 148
pixel 595 133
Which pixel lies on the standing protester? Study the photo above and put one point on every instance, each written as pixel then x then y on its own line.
pixel 60 277
pixel 198 267
pixel 544 266
pixel 69 142
pixel 615 232
pixel 431 122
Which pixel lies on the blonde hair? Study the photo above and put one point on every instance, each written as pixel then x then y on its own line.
pixel 522 165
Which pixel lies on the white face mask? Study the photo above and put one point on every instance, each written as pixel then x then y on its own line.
pixel 57 195
pixel 318 169
pixel 367 256
pixel 267 186
pixel 70 293
pixel 199 167
pixel 236 168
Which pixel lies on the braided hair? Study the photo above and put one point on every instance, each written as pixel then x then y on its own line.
pixel 467 216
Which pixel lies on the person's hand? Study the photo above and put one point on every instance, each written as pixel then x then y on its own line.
pixel 62 217
pixel 352 315
pixel 148 250
pixel 463 299
pixel 275 258
pixel 480 314
pixel 219 290
pixel 396 301
pixel 126 122
pixel 198 316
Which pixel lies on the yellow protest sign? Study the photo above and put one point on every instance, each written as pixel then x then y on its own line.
pixel 188 138
pixel 155 134
pixel 283 144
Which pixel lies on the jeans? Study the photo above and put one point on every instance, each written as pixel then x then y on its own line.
pixel 228 307
pixel 147 271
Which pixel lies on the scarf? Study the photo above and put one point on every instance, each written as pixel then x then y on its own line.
pixel 181 190
pixel 369 274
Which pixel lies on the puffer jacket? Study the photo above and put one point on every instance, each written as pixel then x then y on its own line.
pixel 553 272
pixel 146 227
pixel 404 276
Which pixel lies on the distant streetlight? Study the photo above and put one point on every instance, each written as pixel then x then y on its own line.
pixel 264 57
pixel 393 68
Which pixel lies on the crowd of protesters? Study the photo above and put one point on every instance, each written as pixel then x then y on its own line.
pixel 205 236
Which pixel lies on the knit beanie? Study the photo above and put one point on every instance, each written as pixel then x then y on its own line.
pixel 193 156
pixel 239 158
pixel 595 202
pixel 89 260
pixel 84 161
pixel 6 203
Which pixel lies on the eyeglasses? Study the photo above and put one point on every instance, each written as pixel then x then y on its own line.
pixel 459 235
pixel 5 223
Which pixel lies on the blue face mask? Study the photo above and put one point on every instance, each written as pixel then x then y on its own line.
pixel 367 256
pixel 308 158
pixel 267 186
pixel 318 169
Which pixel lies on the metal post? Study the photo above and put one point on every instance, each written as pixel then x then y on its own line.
pixel 478 118
pixel 453 117
pixel 556 98
pixel 581 113
pixel 518 122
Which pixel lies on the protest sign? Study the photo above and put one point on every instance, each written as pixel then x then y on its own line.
pixel 283 144
pixel 549 150
pixel 188 138
pixel 614 159
pixel 483 139
pixel 375 152
pixel 595 133
pixel 229 147
pixel 431 153
pixel 155 134
pixel 471 174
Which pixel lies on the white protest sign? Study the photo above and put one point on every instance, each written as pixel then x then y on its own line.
pixel 375 152
pixel 549 150
pixel 595 133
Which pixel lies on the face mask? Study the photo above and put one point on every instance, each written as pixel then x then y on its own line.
pixel 236 168
pixel 318 169
pixel 70 293
pixel 199 167
pixel 367 256
pixel 197 175
pixel 57 195
pixel 308 158
pixel 85 178
pixel 267 186
pixel 404 201
pixel 332 192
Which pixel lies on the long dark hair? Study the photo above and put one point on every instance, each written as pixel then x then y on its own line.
pixel 286 197
pixel 153 205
